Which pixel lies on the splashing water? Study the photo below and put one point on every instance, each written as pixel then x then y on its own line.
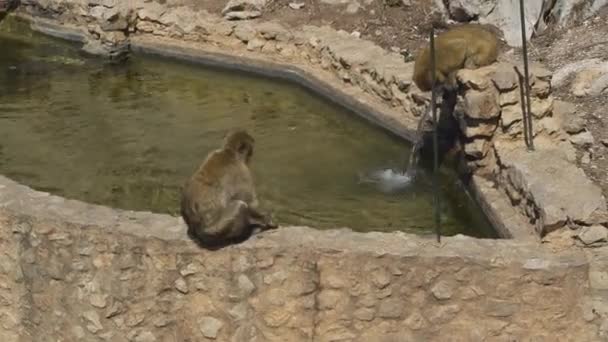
pixel 388 180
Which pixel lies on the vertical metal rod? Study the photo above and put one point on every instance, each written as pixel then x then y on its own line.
pixel 522 100
pixel 528 116
pixel 435 141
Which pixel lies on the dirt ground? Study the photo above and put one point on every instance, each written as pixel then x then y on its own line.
pixel 556 48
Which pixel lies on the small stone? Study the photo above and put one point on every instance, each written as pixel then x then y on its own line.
pixel 190 269
pixel 244 32
pixel 390 308
pixel 162 321
pixel 78 332
pixel 604 142
pixel 505 77
pixel 134 319
pixel 255 44
pixel 242 15
pixel 329 299
pixel 356 34
pixel 598 280
pixel 93 320
pixel 353 7
pixel 381 278
pixel 583 139
pixel 145 336
pixel 500 308
pixel 245 285
pixel 296 5
pixel 239 311
pixel 364 314
pixel 114 309
pixel 276 317
pixel 481 104
pixel 442 290
pixel 586 158
pixel 443 314
pixel 98 300
pixel 210 326
pixel 415 321
pixel 334 281
pixel 180 285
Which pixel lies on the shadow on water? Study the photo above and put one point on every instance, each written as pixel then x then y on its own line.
pixel 129 135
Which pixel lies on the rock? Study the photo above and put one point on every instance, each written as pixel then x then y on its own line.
pixel 243 15
pixel 510 115
pixel 255 44
pixel 443 313
pixel 296 5
pixel 114 309
pixel 477 79
pixel 145 336
pixel 276 317
pixel 245 285
pixel 353 7
pixel 275 31
pixel 584 139
pixel 593 235
pixel 415 321
pixel 562 75
pixel 604 142
pixel 210 326
pixel 390 308
pixel 191 269
pixel 93 320
pixel 180 285
pixel 356 34
pixel 540 108
pixel 505 77
pixel 598 280
pixel 442 290
pixel 559 189
pixel 244 6
pixel 586 158
pixel 572 121
pixel 481 105
pixel 239 311
pixel 381 278
pixel 244 32
pixel 500 308
pixel 98 300
pixel 329 299
pixel 502 14
pixel 585 79
pixel 152 11
pixel 465 10
pixel 364 314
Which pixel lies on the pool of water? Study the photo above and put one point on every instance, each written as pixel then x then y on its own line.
pixel 128 136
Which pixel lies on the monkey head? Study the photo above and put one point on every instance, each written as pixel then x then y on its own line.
pixel 241 143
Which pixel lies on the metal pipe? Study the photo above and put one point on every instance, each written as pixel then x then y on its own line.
pixel 528 115
pixel 435 141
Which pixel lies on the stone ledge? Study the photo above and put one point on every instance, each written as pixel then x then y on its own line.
pixel 20 200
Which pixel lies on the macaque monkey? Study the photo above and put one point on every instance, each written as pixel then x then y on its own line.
pixel 219 203
pixel 468 46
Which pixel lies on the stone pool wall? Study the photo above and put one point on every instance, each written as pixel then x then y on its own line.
pixel 74 271
pixel 71 271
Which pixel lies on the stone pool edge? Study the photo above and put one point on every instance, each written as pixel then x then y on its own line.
pixel 503 217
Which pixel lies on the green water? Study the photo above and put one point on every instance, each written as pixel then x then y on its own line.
pixel 128 136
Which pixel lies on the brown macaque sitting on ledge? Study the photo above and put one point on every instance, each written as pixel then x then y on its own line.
pixel 219 203
pixel 468 46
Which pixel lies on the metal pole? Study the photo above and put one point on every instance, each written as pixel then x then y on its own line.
pixel 435 141
pixel 528 116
